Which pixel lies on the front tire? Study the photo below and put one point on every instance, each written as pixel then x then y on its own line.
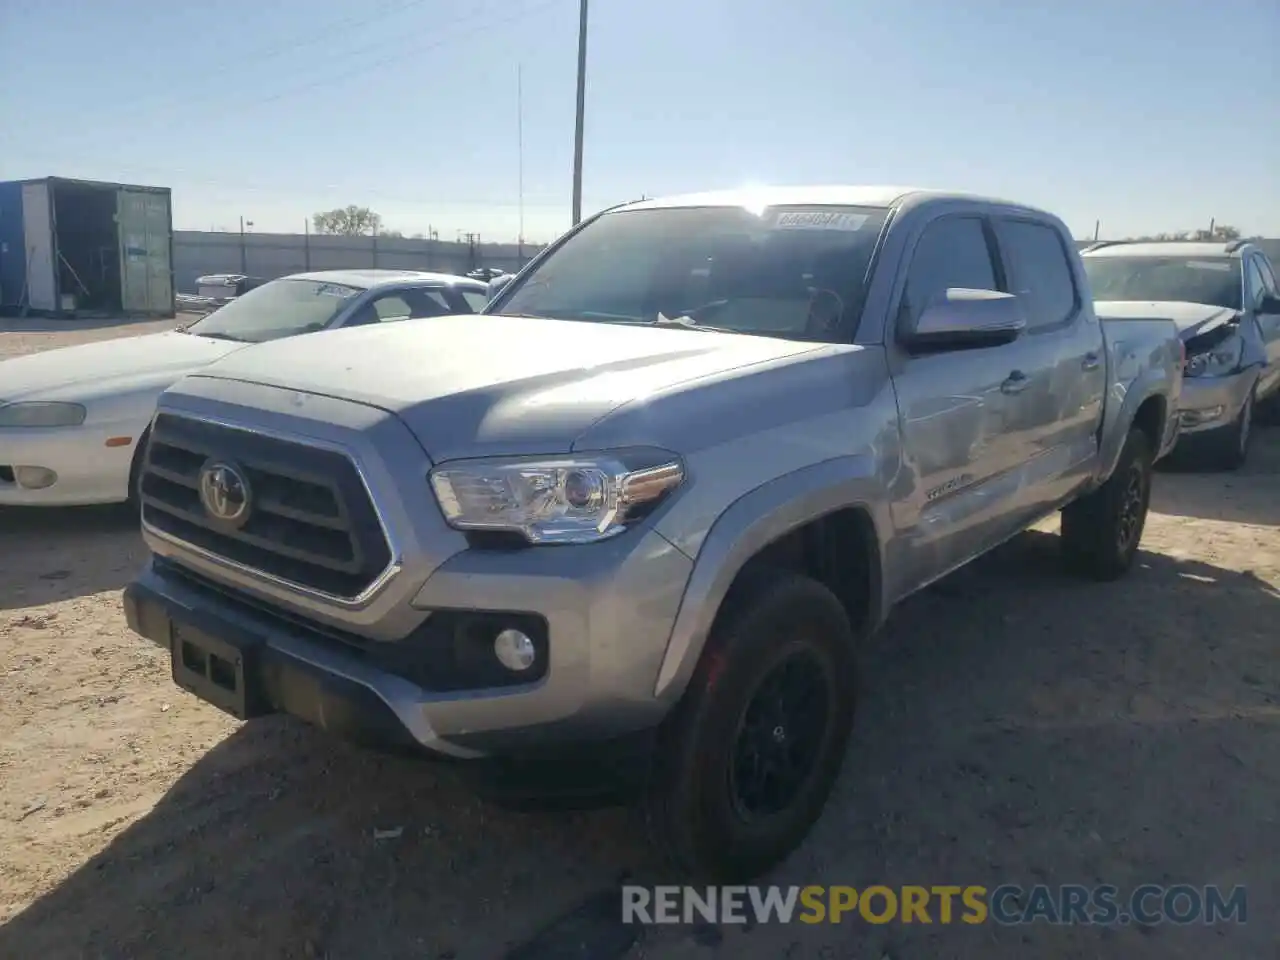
pixel 1101 531
pixel 746 762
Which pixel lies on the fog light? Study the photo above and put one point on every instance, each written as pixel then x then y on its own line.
pixel 35 478
pixel 514 650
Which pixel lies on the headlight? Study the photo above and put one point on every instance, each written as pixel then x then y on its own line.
pixel 574 499
pixel 41 414
pixel 1220 359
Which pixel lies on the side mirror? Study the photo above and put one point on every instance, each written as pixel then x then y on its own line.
pixel 1269 304
pixel 963 319
pixel 497 284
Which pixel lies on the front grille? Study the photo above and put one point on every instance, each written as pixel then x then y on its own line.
pixel 311 521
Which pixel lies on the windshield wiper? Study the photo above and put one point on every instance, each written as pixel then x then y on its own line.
pixel 219 336
pixel 687 323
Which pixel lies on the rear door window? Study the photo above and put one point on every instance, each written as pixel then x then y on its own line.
pixel 1255 286
pixel 1039 272
pixel 952 252
pixel 1268 277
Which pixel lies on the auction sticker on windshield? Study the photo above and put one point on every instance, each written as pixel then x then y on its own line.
pixel 335 290
pixel 1220 265
pixel 820 220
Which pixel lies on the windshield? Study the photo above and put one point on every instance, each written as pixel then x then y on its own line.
pixel 1210 280
pixel 281 308
pixel 795 272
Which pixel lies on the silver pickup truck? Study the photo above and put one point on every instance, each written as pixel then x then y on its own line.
pixel 643 510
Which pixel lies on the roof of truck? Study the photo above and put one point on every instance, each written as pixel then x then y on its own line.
pixel 832 195
pixel 368 279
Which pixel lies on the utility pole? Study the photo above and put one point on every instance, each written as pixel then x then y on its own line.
pixel 582 104
pixel 520 157
pixel 244 253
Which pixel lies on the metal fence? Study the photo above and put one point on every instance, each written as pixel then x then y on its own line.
pixel 197 253
pixel 269 255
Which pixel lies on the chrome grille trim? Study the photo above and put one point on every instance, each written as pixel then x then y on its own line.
pixel 361 598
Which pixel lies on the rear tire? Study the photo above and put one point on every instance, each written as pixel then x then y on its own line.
pixel 746 762
pixel 1267 412
pixel 1228 448
pixel 1101 532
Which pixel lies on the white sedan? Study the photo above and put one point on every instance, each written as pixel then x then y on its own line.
pixel 73 421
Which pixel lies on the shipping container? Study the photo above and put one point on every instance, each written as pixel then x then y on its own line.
pixel 78 247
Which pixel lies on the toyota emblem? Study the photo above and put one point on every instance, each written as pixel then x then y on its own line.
pixel 225 493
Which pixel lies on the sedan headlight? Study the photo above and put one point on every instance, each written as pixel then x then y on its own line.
pixel 1220 359
pixel 573 499
pixel 41 414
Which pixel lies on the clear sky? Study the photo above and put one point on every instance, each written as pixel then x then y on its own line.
pixel 1146 115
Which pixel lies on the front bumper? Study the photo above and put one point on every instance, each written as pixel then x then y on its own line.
pixel 1208 403
pixel 608 609
pixel 86 470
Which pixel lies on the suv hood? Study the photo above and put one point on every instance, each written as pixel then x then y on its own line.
pixel 1191 319
pixel 64 371
pixel 489 384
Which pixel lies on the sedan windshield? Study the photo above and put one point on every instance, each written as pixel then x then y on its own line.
pixel 794 272
pixel 1209 280
pixel 281 308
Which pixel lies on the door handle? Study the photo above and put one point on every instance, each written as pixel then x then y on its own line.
pixel 1091 360
pixel 1015 383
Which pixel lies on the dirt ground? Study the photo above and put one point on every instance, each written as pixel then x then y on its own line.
pixel 1017 726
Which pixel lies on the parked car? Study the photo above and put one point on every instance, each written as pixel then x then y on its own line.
pixel 216 290
pixel 1226 302
pixel 642 512
pixel 72 420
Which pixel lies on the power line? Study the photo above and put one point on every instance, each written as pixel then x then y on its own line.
pixel 237 63
pixel 377 63
pixel 348 23
pixel 308 192
pixel 382 62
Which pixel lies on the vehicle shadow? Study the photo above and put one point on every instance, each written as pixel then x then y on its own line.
pixel 280 842
pixel 48 555
pixel 1184 488
pixel 1017 726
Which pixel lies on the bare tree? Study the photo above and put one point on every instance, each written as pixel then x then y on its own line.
pixel 350 221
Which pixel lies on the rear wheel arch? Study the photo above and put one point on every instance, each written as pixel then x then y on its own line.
pixel 1150 418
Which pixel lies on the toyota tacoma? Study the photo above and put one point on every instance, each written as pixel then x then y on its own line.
pixel 650 502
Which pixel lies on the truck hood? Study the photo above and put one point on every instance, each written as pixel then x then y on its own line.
pixel 1191 319
pixel 479 384
pixel 63 371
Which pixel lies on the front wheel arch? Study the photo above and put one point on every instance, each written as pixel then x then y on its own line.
pixel 769 518
pixel 134 498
